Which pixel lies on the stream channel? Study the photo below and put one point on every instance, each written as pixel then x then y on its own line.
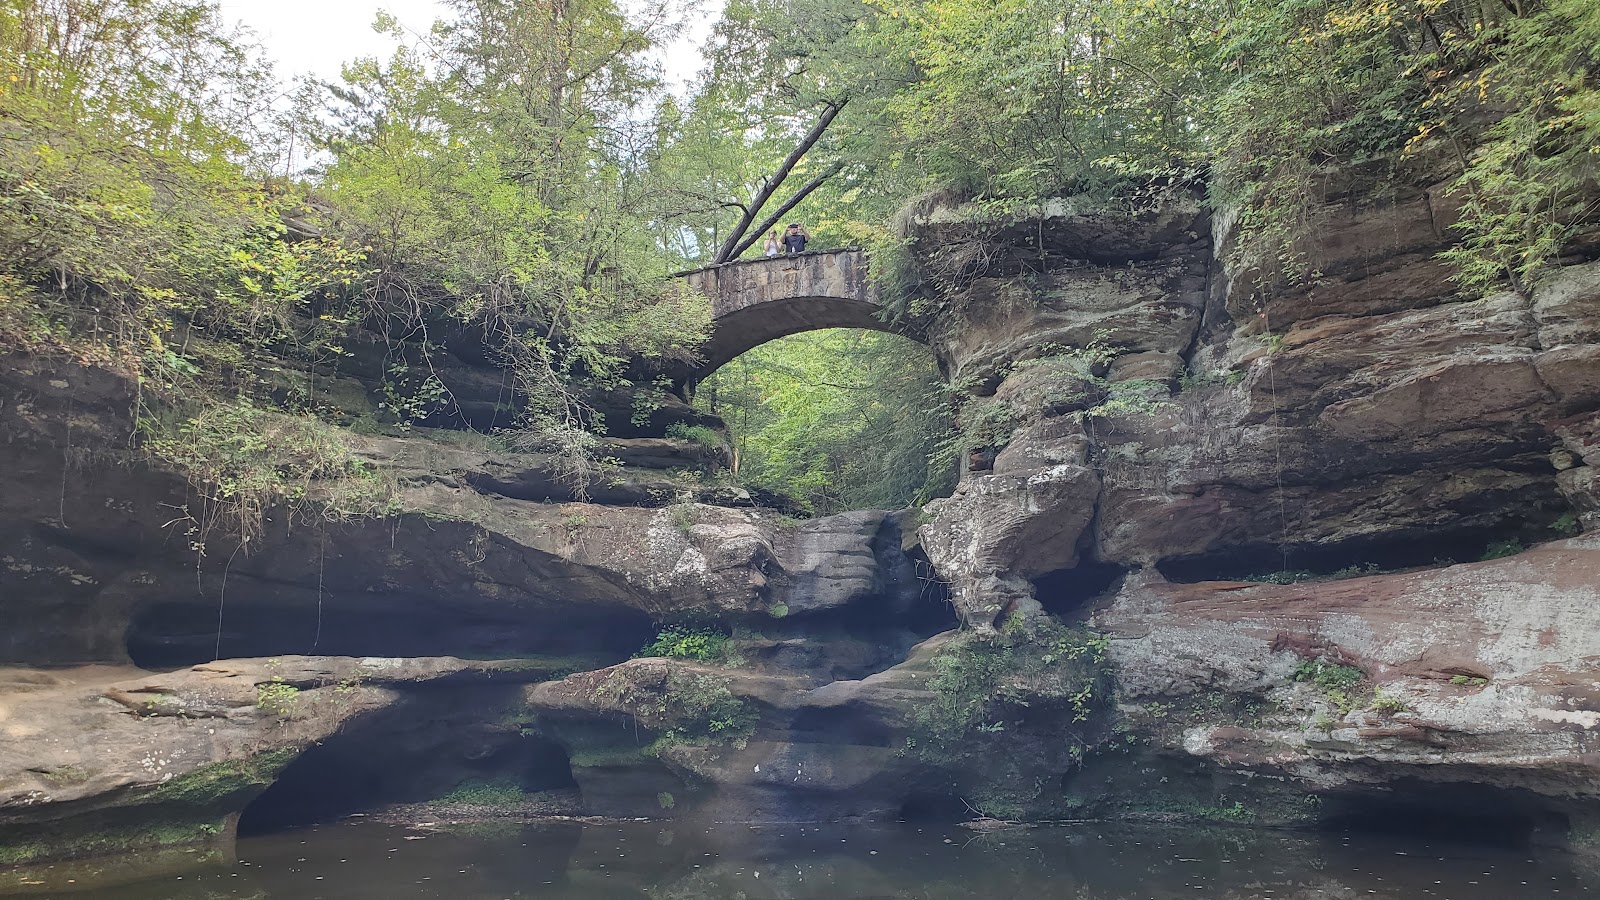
pixel 364 859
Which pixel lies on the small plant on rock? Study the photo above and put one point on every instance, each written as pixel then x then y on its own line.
pixel 1501 550
pixel 983 680
pixel 685 515
pixel 277 697
pixel 1387 704
pixel 496 793
pixel 1287 576
pixel 697 644
pixel 1328 676
pixel 697 434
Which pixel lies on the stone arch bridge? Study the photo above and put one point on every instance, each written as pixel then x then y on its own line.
pixel 759 300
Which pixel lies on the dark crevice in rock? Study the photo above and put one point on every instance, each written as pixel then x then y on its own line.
pixel 850 607
pixel 851 642
pixel 436 739
pixel 172 634
pixel 1465 812
pixel 1070 593
pixel 1389 553
pixel 848 725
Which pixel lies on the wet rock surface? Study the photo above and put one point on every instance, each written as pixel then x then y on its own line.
pixel 97 759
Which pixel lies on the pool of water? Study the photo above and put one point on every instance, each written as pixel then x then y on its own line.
pixel 358 859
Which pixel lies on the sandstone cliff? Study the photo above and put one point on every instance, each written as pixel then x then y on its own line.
pixel 1168 439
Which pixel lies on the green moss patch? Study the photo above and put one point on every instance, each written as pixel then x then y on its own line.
pixel 210 786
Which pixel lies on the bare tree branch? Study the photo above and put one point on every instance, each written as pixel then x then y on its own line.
pixel 731 248
pixel 791 203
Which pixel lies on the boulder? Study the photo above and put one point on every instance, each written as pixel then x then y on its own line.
pixel 99 759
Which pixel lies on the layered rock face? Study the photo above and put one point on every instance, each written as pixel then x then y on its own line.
pixel 1375 418
pixel 1467 690
pixel 1191 426
pixel 479 573
pixel 1149 428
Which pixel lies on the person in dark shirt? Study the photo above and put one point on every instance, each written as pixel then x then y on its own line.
pixel 794 239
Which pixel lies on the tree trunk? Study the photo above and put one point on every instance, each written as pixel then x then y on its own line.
pixel 731 248
pixel 791 203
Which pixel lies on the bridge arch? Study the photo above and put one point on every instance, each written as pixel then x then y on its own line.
pixel 760 300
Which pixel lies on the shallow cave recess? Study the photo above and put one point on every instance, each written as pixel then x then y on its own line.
pixel 1470 813
pixel 437 738
pixel 1071 594
pixel 1390 553
pixel 175 634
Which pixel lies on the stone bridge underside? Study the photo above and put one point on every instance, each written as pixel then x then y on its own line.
pixel 761 300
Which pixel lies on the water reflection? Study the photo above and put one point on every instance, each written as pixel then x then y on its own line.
pixel 662 862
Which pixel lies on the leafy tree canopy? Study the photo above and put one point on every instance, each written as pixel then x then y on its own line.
pixel 520 167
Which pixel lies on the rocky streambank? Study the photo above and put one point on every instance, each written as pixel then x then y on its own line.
pixel 1285 554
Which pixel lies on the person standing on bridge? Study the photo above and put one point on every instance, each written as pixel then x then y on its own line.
pixel 772 247
pixel 794 240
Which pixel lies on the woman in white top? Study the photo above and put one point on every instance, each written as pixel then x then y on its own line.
pixel 772 248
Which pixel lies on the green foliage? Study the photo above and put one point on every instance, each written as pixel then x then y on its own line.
pixel 981 680
pixel 213 785
pixel 133 211
pixel 1286 104
pixel 1350 83
pixel 492 793
pixel 522 172
pixel 410 398
pixel 684 707
pixel 1528 180
pixel 699 434
pixel 506 168
pixel 1191 380
pixel 685 514
pixel 1236 813
pixel 1328 676
pixel 503 187
pixel 839 419
pixel 139 839
pixel 1287 576
pixel 1472 680
pixel 278 697
pixel 66 775
pixel 1022 97
pixel 1567 525
pixel 1501 550
pixel 243 460
pixel 665 800
pixel 1387 704
pixel 704 710
pixel 1136 397
pixel 1337 682
pixel 699 645
pixel 1296 576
